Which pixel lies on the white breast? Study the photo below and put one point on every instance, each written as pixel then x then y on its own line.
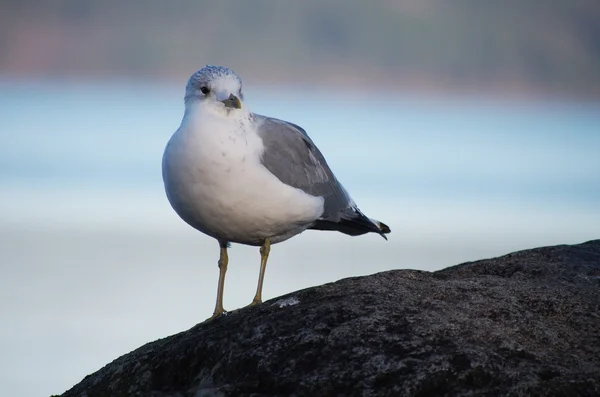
pixel 215 182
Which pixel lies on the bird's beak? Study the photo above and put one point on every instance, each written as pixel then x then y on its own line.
pixel 232 102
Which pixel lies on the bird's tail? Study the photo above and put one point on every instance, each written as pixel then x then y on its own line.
pixel 383 228
pixel 354 223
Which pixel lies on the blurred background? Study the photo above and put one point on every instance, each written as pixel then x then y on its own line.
pixel 471 128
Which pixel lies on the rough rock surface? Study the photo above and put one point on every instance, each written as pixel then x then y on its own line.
pixel 527 323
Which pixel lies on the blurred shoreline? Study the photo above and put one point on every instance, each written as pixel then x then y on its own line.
pixel 427 47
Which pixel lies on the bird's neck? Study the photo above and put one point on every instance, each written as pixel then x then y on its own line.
pixel 195 106
pixel 200 114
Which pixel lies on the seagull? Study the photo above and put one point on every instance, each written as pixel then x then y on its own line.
pixel 244 178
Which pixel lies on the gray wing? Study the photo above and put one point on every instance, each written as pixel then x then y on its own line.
pixel 295 160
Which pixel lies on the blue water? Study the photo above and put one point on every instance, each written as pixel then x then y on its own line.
pixel 112 136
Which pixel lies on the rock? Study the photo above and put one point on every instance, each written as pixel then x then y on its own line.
pixel 527 323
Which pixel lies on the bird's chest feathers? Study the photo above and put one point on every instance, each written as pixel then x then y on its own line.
pixel 223 150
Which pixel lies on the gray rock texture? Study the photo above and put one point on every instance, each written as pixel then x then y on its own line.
pixel 525 324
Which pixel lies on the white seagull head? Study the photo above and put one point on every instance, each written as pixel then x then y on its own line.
pixel 215 85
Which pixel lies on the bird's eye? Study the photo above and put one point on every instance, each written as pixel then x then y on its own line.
pixel 205 90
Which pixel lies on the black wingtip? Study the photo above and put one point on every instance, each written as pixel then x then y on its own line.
pixel 355 223
pixel 383 229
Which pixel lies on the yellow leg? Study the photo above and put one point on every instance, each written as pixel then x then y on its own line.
pixel 223 261
pixel 264 255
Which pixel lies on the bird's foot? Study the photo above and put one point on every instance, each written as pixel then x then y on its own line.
pixel 218 313
pixel 255 302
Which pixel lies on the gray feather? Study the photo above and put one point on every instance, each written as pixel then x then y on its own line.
pixel 295 160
